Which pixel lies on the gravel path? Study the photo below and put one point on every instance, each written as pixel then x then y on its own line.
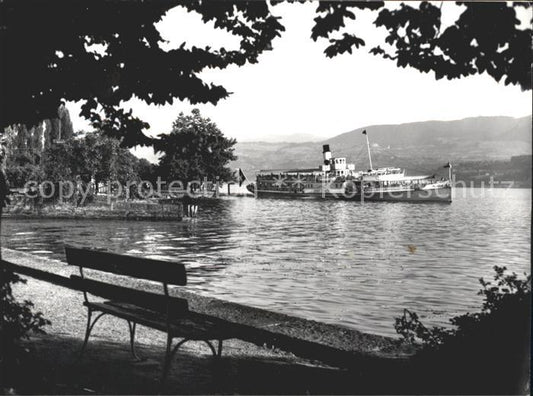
pixel 108 368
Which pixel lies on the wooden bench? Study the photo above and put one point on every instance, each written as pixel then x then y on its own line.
pixel 159 311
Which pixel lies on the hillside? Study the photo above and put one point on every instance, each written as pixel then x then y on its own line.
pixel 417 146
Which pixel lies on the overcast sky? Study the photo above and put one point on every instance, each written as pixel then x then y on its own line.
pixel 296 89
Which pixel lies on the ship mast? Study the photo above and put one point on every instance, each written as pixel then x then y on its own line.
pixel 368 148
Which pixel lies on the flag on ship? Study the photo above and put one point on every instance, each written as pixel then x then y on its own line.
pixel 448 165
pixel 364 132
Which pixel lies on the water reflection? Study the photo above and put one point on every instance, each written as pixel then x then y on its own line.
pixel 340 262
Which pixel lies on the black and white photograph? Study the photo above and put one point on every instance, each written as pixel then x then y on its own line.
pixel 265 197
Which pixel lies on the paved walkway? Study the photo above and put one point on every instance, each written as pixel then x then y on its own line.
pixel 107 368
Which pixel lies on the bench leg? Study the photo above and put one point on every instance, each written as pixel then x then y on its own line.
pixel 132 326
pixel 88 330
pixel 211 347
pixel 219 351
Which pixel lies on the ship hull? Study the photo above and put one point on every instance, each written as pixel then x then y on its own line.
pixel 443 195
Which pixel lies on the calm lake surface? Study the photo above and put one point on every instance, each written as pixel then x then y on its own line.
pixel 332 261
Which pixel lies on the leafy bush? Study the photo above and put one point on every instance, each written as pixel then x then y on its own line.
pixel 19 175
pixel 486 352
pixel 17 321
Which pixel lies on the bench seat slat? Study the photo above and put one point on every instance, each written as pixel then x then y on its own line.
pixel 152 301
pixel 138 267
pixel 193 327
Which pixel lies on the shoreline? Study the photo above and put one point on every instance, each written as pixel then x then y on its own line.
pixel 125 216
pixel 248 365
pixel 59 303
pixel 23 207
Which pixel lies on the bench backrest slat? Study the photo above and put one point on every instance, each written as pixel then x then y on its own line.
pixel 138 267
pixel 153 301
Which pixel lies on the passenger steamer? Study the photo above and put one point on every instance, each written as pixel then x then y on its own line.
pixel 338 179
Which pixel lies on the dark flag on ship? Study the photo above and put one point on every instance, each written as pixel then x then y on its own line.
pixel 448 165
pixel 241 178
pixel 364 132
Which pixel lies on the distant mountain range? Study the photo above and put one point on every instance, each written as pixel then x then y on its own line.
pixel 417 146
pixel 290 138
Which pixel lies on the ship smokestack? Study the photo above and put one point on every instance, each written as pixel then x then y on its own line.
pixel 327 154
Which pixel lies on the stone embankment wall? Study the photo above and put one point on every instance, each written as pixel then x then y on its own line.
pixel 22 206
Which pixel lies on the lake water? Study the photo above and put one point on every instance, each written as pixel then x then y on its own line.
pixel 332 261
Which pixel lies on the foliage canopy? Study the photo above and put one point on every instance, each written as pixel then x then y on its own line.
pixel 92 157
pixel 485 38
pixel 195 149
pixel 56 59
pixel 48 51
